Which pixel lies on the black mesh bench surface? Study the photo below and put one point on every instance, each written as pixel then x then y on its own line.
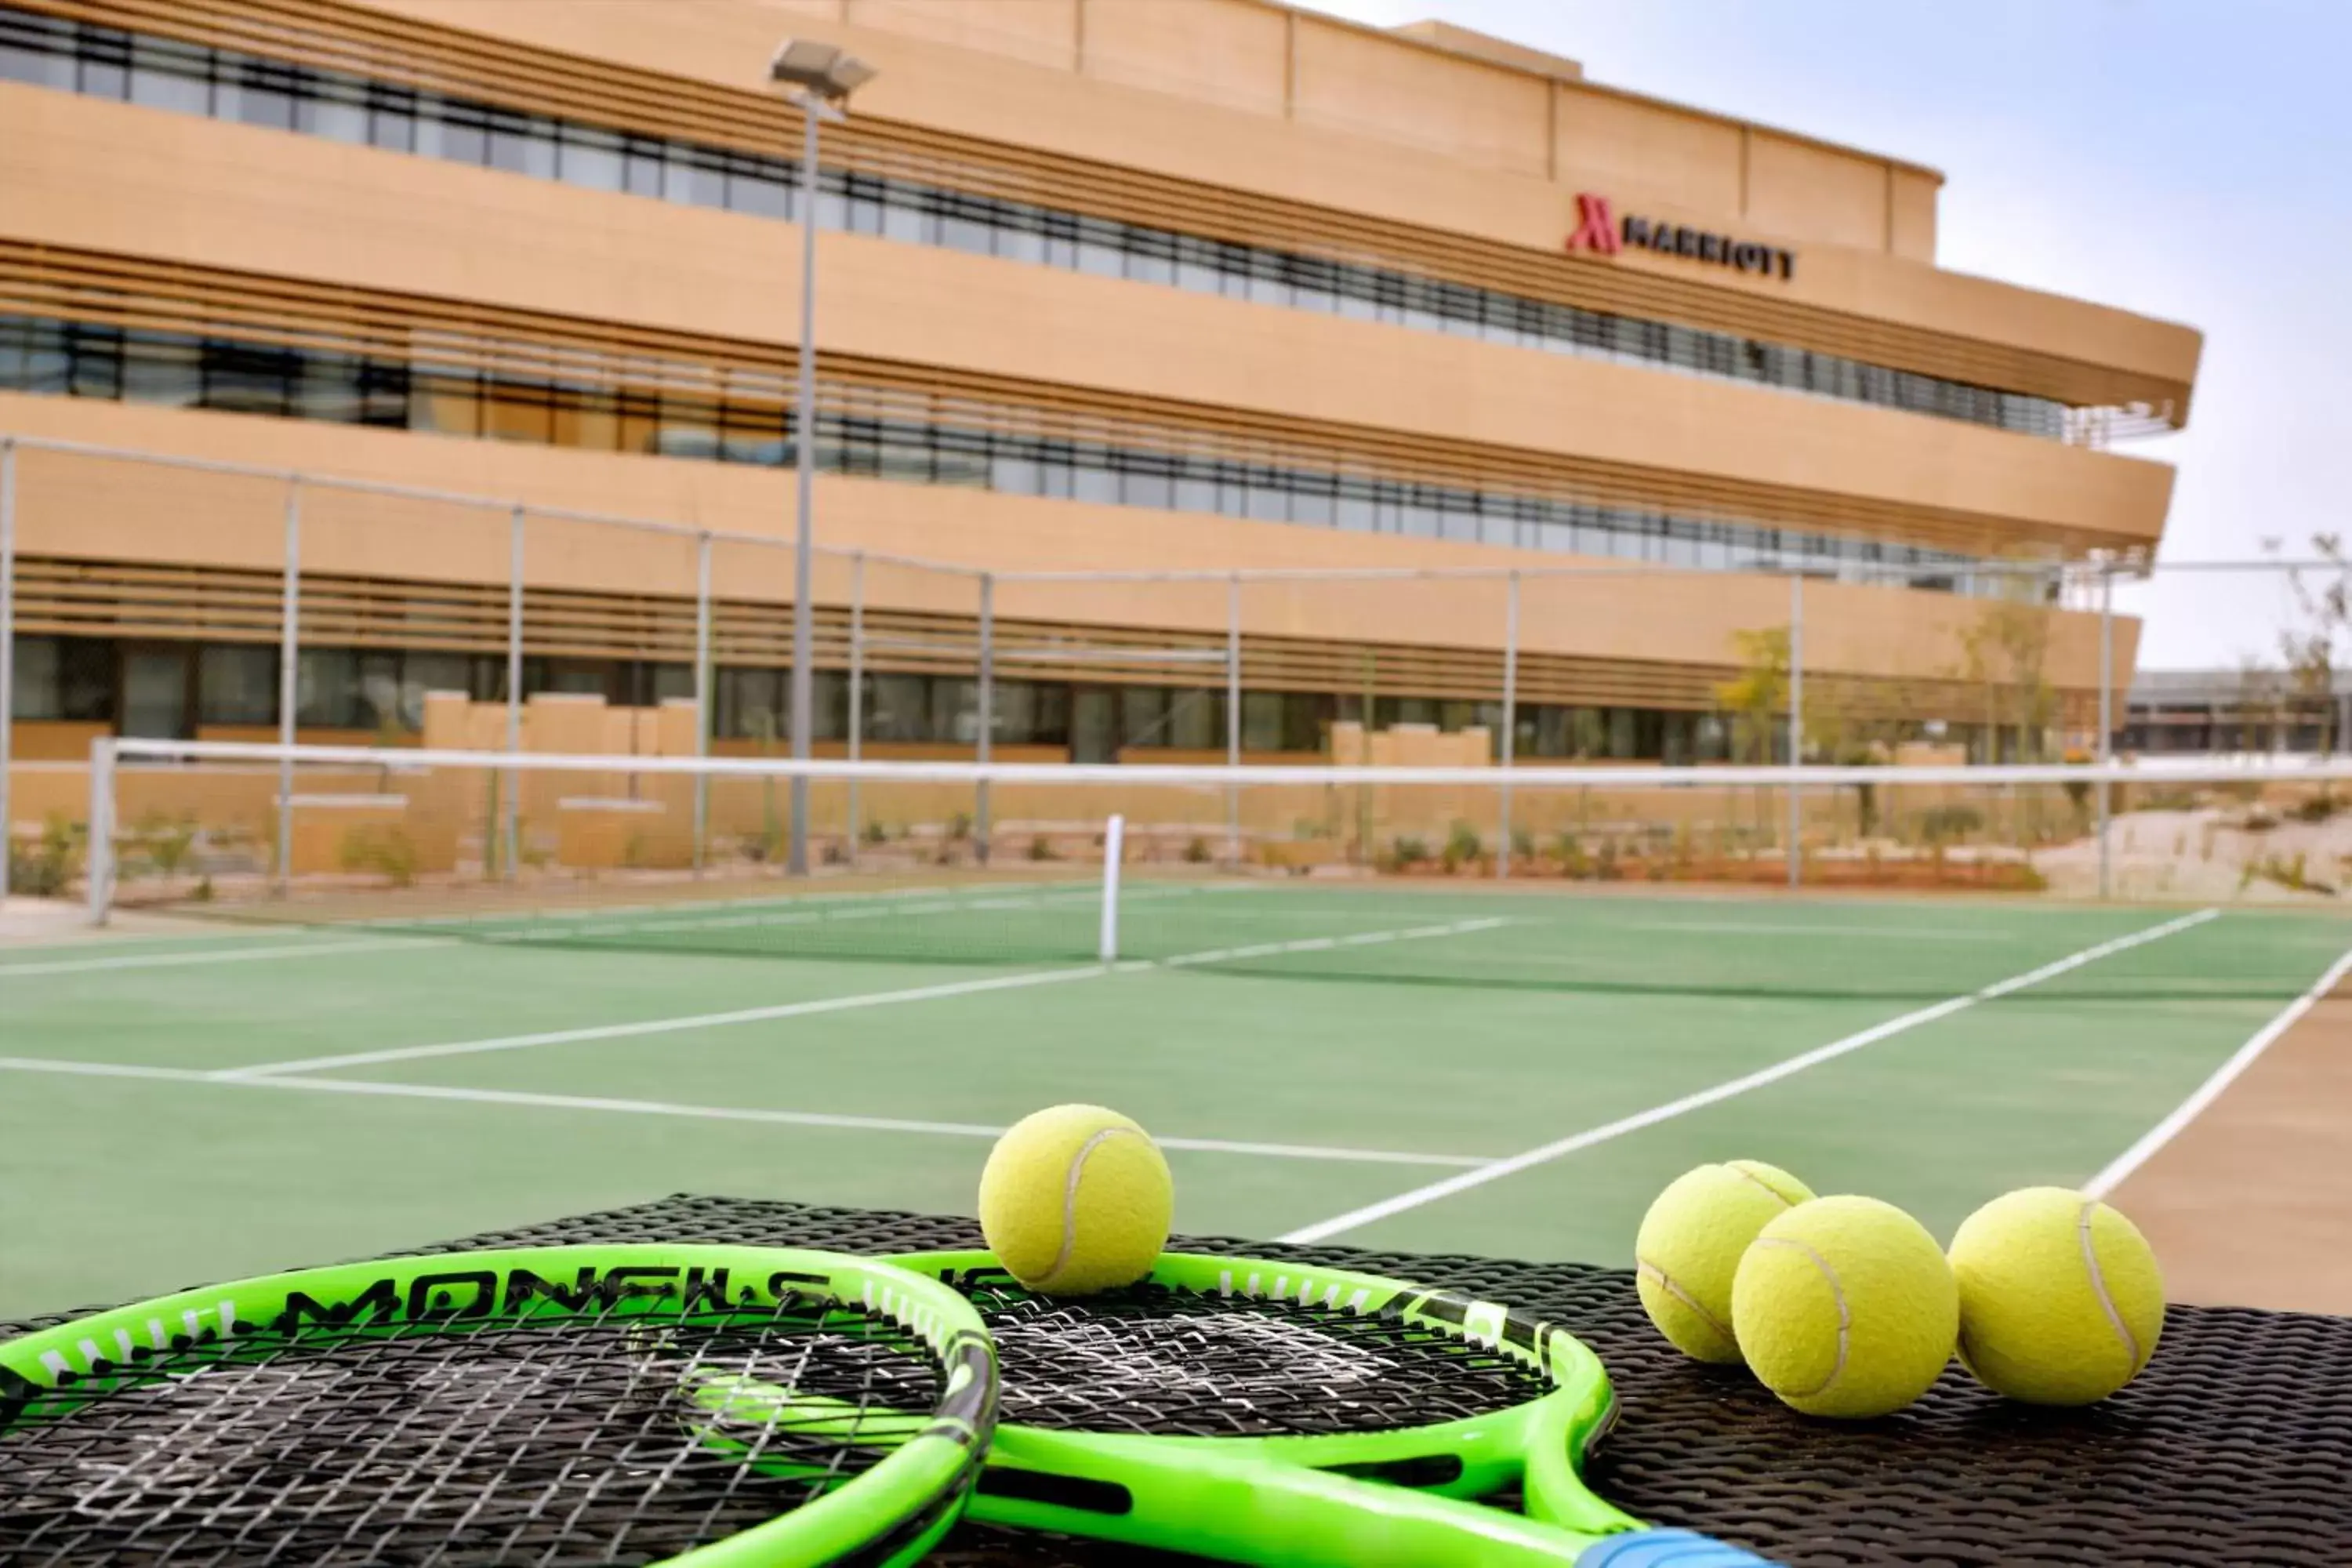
pixel 2235 1446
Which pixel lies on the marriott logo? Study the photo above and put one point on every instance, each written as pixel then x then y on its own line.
pixel 1599 231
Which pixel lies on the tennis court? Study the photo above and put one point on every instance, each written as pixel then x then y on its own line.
pixel 1513 1073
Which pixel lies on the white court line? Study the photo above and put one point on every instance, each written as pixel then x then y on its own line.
pixel 2120 1168
pixel 233 955
pixel 1766 928
pixel 325 945
pixel 854 1002
pixel 1545 1152
pixel 698 1112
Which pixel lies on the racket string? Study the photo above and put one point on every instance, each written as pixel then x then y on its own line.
pixel 1159 1362
pixel 531 1439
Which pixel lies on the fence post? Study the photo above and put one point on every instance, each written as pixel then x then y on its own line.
pixel 101 860
pixel 701 695
pixel 7 651
pixel 1510 749
pixel 987 708
pixel 289 685
pixel 857 691
pixel 1234 717
pixel 1795 722
pixel 2106 712
pixel 509 825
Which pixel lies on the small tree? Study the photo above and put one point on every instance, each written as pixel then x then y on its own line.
pixel 2324 597
pixel 1759 694
pixel 1754 700
pixel 2004 654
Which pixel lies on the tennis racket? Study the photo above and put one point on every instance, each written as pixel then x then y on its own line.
pixel 1283 1414
pixel 535 1406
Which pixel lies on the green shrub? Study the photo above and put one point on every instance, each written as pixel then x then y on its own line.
pixel 1042 848
pixel 1523 844
pixel 388 852
pixel 2315 808
pixel 1574 861
pixel 1947 824
pixel 47 869
pixel 1196 852
pixel 1462 847
pixel 165 842
pixel 875 833
pixel 2290 872
pixel 1409 850
pixel 960 826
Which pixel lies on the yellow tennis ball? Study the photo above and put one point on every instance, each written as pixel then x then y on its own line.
pixel 1690 1245
pixel 2061 1300
pixel 1846 1306
pixel 1075 1199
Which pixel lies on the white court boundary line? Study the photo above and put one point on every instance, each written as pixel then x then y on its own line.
pixel 321 949
pixel 369 1089
pixel 855 1001
pixel 1545 1152
pixel 2119 1168
pixel 425 933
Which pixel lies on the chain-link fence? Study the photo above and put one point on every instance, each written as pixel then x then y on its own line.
pixel 170 599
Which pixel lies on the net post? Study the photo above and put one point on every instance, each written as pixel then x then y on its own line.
pixel 7 652
pixel 857 691
pixel 1796 720
pixel 509 823
pixel 987 684
pixel 1233 717
pixel 100 860
pixel 1114 849
pixel 701 695
pixel 290 654
pixel 1510 720
pixel 2107 714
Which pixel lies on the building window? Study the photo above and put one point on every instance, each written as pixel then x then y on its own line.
pixel 236 683
pixel 69 680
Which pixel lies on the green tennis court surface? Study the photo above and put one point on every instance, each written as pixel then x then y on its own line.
pixel 246 1097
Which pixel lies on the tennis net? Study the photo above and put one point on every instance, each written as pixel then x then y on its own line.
pixel 1526 876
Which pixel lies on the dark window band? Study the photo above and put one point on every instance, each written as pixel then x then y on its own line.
pixel 86 360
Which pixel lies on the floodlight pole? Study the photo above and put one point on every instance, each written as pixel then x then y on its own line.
pixel 804 482
pixel 822 77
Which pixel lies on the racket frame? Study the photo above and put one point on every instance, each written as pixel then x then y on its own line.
pixel 1320 1498
pixel 887 1515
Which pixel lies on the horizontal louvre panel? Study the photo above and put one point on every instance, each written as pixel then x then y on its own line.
pixel 108 599
pixel 481 68
pixel 129 292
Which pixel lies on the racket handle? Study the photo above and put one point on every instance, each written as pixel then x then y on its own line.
pixel 1667 1549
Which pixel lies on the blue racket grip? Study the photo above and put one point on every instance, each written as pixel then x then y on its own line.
pixel 1667 1549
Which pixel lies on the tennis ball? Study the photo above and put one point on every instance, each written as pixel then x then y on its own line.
pixel 2061 1301
pixel 1689 1245
pixel 1075 1199
pixel 1846 1306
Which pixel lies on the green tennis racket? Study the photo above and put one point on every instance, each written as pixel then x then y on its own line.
pixel 1283 1414
pixel 537 1405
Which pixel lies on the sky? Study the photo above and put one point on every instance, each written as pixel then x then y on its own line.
pixel 2184 160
